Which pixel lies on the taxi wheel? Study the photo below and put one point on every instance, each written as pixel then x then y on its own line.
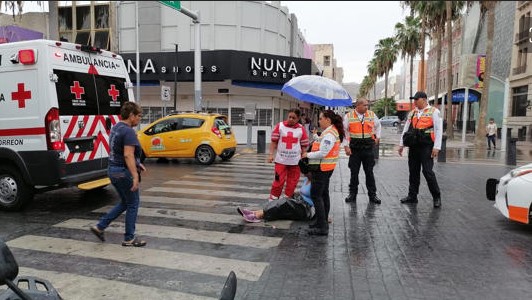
pixel 205 155
pixel 14 191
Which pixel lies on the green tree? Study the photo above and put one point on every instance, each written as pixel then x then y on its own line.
pixel 384 107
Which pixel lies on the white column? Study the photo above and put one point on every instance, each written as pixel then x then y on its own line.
pixel 464 115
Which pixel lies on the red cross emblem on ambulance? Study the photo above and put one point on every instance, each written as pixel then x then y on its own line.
pixel 77 90
pixel 21 95
pixel 113 92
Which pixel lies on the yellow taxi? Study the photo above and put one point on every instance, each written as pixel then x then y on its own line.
pixel 202 136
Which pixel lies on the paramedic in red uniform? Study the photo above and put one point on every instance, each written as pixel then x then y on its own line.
pixel 289 142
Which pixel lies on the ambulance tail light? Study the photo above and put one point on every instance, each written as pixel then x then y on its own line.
pixel 26 57
pixel 216 131
pixel 53 130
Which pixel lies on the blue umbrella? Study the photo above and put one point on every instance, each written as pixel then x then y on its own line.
pixel 318 90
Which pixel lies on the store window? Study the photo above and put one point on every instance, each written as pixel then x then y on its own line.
pixel 237 116
pixel 519 101
pixel 86 23
pixel 327 60
pixel 263 117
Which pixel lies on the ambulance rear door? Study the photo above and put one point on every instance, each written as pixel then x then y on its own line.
pixel 91 87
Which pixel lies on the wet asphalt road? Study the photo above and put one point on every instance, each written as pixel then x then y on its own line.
pixel 466 250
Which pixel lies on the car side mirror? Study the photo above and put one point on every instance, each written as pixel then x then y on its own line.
pixel 8 264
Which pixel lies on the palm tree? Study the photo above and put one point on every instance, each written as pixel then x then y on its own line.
pixel 408 39
pixel 13 6
pixel 452 13
pixel 489 7
pixel 386 54
pixel 420 8
pixel 373 75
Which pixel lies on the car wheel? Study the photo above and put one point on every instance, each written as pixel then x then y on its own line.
pixel 14 191
pixel 226 157
pixel 395 124
pixel 205 155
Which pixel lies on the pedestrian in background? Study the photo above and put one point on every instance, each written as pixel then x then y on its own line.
pixel 288 142
pixel 427 125
pixel 491 133
pixel 322 160
pixel 363 132
pixel 124 172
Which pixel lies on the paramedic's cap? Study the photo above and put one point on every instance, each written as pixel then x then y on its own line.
pixel 303 165
pixel 419 95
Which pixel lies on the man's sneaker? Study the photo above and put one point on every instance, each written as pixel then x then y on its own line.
pixel 351 198
pixel 251 218
pixel 409 199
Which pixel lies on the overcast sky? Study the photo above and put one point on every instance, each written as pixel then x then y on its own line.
pixel 354 28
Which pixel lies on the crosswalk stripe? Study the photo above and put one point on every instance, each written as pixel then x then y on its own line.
pixel 144 256
pixel 79 287
pixel 206 192
pixel 252 181
pixel 179 233
pixel 240 174
pixel 224 178
pixel 269 167
pixel 218 185
pixel 191 201
pixel 201 216
pixel 247 163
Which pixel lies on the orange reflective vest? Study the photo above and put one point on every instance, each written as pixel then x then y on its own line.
pixel 361 129
pixel 328 163
pixel 425 121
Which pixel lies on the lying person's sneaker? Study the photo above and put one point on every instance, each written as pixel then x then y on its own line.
pixel 251 218
pixel 134 243
pixel 243 211
pixel 98 233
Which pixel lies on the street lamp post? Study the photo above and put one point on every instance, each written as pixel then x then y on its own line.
pixel 175 79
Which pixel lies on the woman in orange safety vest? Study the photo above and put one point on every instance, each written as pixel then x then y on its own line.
pixel 322 161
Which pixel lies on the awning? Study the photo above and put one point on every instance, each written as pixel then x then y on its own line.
pixel 459 96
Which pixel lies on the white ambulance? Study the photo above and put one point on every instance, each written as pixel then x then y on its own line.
pixel 58 102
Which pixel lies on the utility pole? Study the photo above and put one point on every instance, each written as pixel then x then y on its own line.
pixel 175 79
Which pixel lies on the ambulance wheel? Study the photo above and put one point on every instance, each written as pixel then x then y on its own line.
pixel 14 191
pixel 205 155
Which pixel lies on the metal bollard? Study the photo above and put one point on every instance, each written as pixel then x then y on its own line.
pixel 511 152
pixel 442 155
pixel 261 141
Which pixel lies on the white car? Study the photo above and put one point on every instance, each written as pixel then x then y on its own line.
pixel 513 194
pixel 390 121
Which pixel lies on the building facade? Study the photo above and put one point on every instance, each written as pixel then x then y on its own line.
pixel 519 116
pixel 249 50
pixel 323 57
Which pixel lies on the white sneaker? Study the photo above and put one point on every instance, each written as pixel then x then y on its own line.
pixel 273 198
